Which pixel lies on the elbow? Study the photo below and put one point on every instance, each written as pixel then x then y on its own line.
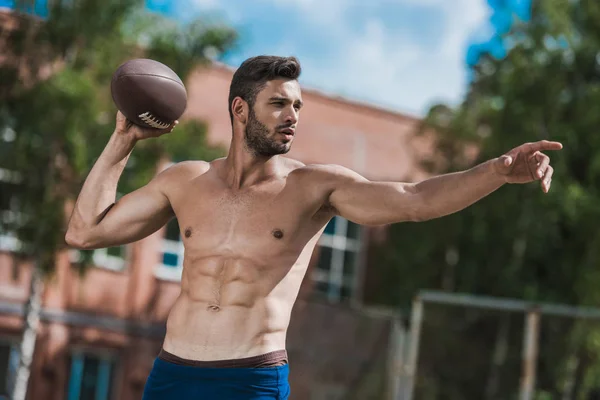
pixel 422 212
pixel 77 240
pixel 413 216
pixel 80 235
pixel 73 239
pixel 424 215
pixel 414 207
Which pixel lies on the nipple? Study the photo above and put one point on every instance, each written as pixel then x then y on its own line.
pixel 188 232
pixel 278 233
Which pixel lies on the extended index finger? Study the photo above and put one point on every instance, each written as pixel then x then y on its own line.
pixel 545 145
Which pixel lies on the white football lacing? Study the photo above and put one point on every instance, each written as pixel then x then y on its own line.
pixel 153 121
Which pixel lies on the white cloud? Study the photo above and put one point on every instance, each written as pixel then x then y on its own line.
pixel 375 63
pixel 369 61
pixel 465 18
pixel 319 11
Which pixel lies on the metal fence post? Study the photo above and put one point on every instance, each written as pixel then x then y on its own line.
pixel 397 359
pixel 416 320
pixel 530 352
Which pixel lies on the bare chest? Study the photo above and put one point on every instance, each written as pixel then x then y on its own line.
pixel 262 222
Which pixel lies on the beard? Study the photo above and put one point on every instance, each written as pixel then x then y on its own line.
pixel 258 139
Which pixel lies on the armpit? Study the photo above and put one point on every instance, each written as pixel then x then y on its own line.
pixel 327 208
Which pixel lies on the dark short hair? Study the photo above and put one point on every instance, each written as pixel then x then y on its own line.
pixel 254 73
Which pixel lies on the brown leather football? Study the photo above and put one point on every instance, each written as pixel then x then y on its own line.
pixel 148 93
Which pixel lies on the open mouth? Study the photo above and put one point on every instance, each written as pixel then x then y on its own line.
pixel 287 133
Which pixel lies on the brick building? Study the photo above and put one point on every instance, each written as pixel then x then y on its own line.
pixel 100 333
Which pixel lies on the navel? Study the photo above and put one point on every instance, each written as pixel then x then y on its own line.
pixel 277 233
pixel 213 308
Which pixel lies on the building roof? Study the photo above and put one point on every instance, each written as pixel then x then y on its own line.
pixel 342 100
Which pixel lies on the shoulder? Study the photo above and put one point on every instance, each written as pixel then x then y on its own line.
pixel 177 173
pixel 325 173
pixel 184 169
pixel 322 180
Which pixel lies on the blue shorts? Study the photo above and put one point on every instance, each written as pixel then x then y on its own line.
pixel 170 381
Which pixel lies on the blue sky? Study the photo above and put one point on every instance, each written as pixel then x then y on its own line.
pixel 400 54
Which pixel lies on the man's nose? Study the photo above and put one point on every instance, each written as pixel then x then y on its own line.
pixel 291 117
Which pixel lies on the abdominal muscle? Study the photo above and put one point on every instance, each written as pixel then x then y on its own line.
pixel 231 308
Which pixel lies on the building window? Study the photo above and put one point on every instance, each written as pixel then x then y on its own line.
pixel 9 362
pixel 111 258
pixel 337 266
pixel 91 377
pixel 9 181
pixel 171 261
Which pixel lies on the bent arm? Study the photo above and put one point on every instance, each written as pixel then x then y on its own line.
pixel 98 220
pixel 377 203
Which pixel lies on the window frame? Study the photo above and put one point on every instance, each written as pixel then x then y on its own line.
pixel 8 241
pixel 169 272
pixel 161 270
pixel 13 357
pixel 339 243
pixel 102 259
pixel 107 386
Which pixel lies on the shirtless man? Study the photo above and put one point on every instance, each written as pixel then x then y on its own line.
pixel 249 223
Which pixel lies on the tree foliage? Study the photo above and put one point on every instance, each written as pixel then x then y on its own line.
pixel 517 242
pixel 56 111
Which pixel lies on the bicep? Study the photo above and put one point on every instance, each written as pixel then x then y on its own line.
pixel 136 215
pixel 367 202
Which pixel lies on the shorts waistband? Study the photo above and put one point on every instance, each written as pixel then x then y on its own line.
pixel 272 359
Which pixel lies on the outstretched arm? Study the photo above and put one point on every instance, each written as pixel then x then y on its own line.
pixel 374 203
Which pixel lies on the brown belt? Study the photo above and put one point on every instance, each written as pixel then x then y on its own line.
pixel 272 359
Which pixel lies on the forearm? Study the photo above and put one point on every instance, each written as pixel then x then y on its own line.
pixel 99 190
pixel 449 193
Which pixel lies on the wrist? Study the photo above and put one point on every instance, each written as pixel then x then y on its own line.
pixel 120 146
pixel 123 139
pixel 495 174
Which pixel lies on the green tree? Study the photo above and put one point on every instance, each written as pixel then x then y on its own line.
pixel 517 242
pixel 56 115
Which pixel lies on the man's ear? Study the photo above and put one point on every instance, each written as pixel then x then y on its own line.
pixel 239 108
